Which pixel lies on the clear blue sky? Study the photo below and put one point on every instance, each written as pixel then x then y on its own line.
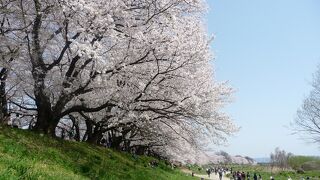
pixel 268 51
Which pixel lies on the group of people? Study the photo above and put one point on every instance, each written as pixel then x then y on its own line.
pixel 219 171
pixel 237 175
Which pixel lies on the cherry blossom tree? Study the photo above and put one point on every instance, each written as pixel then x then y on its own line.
pixel 136 73
pixel 8 52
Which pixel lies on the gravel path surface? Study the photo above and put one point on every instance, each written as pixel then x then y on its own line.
pixel 212 176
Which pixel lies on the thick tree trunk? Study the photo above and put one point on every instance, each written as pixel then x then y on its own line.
pixel 3 103
pixel 140 150
pixel 75 127
pixel 89 130
pixel 45 116
pixel 95 138
pixel 47 119
pixel 116 142
pixel 4 114
pixel 94 135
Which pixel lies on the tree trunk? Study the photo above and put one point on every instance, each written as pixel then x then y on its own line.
pixel 75 128
pixel 44 117
pixel 94 138
pixel 115 140
pixel 46 120
pixel 89 130
pixel 4 114
pixel 141 150
pixel 94 135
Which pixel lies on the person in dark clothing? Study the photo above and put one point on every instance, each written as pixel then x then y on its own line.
pixel 243 176
pixel 255 177
pixel 220 174
pixel 234 176
pixel 239 175
pixel 208 172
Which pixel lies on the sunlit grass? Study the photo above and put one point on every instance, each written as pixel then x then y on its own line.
pixel 27 155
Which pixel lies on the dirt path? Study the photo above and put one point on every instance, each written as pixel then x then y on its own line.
pixel 212 176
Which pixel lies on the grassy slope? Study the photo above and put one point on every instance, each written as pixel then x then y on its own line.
pixel 26 155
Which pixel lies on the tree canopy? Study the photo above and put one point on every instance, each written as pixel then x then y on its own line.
pixel 132 74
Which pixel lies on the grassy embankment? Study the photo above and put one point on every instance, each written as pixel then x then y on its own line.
pixel 27 155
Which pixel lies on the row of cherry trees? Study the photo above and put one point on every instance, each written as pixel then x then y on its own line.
pixel 132 74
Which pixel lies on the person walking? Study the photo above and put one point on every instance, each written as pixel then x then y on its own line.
pixel 234 175
pixel 220 174
pixel 239 175
pixel 255 177
pixel 243 176
pixel 208 172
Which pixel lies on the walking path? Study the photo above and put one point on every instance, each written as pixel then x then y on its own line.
pixel 212 176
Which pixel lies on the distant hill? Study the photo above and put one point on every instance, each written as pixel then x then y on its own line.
pixel 27 155
pixel 262 160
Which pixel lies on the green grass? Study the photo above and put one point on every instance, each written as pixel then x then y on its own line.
pixel 27 155
pixel 197 169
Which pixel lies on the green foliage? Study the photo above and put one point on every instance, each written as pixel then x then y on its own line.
pixel 311 165
pixel 197 169
pixel 27 155
pixel 306 163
